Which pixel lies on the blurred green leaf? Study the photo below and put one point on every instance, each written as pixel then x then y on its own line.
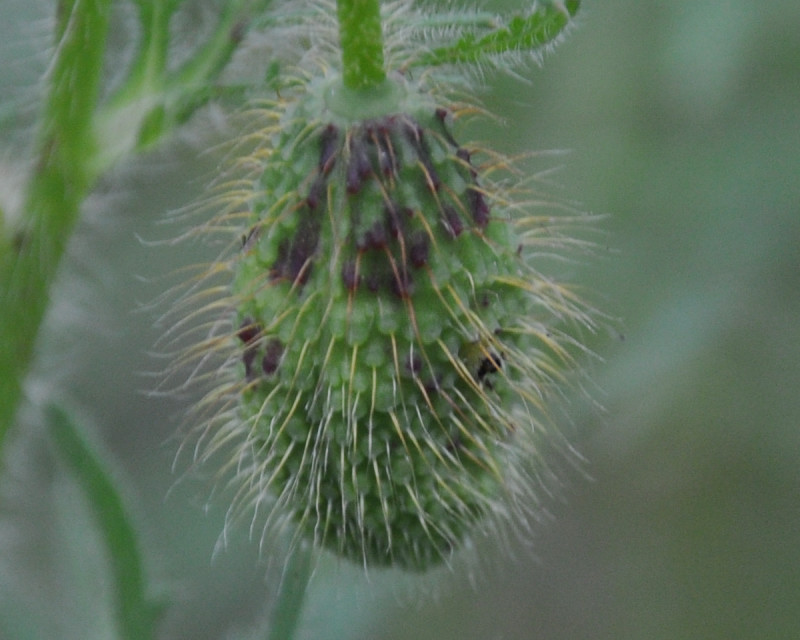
pixel 136 614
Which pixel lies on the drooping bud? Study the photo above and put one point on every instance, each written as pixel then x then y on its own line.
pixel 385 341
pixel 391 344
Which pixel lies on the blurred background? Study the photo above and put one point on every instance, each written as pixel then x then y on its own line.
pixel 683 125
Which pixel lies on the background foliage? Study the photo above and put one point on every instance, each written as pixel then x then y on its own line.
pixel 684 124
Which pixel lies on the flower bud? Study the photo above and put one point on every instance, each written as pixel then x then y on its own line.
pixel 390 338
pixel 391 344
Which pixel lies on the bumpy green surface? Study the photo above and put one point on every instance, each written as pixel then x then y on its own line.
pixel 378 327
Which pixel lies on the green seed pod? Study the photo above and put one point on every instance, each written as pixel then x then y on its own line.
pixel 389 352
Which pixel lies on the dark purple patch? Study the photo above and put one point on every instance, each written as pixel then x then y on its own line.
pixel 316 193
pixel 350 276
pixel 455 444
pixel 478 207
pixel 491 364
pixel 304 245
pixel 441 115
pixel 432 386
pixel 413 132
pixel 294 255
pixel 400 283
pixel 272 356
pixel 394 223
pixel 415 136
pixel 452 221
pixel 414 364
pixel 328 148
pixel 358 167
pixel 419 248
pixel 248 330
pixel 465 156
pixel 375 237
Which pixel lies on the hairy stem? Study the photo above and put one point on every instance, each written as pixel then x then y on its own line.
pixel 60 182
pixel 361 40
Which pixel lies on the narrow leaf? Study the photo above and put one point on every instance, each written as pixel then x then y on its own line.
pixel 136 614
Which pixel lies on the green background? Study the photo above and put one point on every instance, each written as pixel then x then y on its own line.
pixel 683 125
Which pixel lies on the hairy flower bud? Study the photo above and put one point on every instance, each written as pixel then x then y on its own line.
pixel 391 343
pixel 390 330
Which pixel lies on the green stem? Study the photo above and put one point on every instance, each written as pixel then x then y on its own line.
pixel 291 594
pixel 60 182
pixel 361 40
pixel 136 614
